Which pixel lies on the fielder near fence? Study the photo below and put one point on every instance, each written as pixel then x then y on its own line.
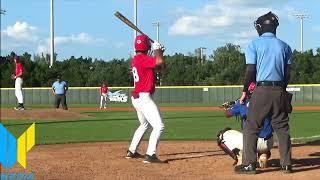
pixel 302 94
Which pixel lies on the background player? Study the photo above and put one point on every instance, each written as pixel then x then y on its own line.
pixel 103 95
pixel 231 141
pixel 59 89
pixel 18 82
pixel 148 113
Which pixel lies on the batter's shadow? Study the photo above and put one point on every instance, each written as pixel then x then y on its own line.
pixel 192 152
pixel 195 156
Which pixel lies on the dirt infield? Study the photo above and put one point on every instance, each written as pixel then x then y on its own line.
pixel 185 108
pixel 72 114
pixel 40 114
pixel 186 160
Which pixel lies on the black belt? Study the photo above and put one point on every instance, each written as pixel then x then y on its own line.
pixel 270 83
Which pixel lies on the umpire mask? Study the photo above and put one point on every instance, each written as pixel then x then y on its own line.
pixel 267 23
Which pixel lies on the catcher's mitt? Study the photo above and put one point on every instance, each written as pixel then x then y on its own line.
pixel 227 105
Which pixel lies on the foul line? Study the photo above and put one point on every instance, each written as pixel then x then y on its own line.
pixel 310 137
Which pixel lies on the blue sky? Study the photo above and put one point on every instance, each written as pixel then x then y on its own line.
pixel 89 28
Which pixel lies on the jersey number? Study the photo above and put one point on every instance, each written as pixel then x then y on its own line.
pixel 135 74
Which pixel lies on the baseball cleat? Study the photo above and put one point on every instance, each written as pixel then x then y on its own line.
pixel 152 159
pixel 105 107
pixel 131 155
pixel 286 169
pixel 19 108
pixel 263 159
pixel 243 169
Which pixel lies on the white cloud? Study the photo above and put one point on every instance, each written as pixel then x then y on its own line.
pixel 252 3
pixel 21 31
pixel 81 38
pixel 217 18
pixel 119 44
pixel 225 20
pixel 74 39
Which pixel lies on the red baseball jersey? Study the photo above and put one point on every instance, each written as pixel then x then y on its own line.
pixel 19 69
pixel 143 73
pixel 103 89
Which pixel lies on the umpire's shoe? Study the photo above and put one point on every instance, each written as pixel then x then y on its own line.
pixel 286 169
pixel 246 169
pixel 131 155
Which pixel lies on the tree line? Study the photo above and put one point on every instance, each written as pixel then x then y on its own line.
pixel 225 66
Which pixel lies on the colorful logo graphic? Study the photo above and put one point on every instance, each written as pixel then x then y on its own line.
pixel 14 150
pixel 117 96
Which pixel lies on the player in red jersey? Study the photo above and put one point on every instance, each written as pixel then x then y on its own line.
pixel 143 67
pixel 18 82
pixel 103 94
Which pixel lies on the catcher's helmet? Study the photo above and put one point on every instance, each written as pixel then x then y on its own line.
pixel 267 23
pixel 142 43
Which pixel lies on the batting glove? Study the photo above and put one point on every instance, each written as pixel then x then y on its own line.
pixel 157 45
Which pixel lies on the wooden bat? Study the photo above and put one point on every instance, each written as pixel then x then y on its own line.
pixel 129 23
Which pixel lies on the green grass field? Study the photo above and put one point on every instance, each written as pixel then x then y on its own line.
pixel 179 125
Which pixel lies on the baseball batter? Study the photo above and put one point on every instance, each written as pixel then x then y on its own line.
pixel 18 82
pixel 143 67
pixel 231 141
pixel 103 95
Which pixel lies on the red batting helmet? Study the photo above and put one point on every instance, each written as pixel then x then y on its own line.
pixel 251 87
pixel 142 43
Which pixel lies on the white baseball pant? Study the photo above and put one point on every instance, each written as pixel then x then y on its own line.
pixel 148 114
pixel 103 100
pixel 234 139
pixel 18 89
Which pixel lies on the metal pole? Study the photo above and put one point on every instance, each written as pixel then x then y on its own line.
pixel 201 53
pixel 135 16
pixel 157 24
pixel 135 20
pixel 301 35
pixel 158 27
pixel 0 56
pixel 51 33
pixel 1 12
pixel 301 17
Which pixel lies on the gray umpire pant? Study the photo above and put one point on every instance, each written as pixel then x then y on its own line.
pixel 61 98
pixel 267 101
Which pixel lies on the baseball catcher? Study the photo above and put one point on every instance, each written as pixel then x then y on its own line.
pixel 231 141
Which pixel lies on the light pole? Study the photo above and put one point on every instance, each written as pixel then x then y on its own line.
pixel 51 33
pixel 301 17
pixel 1 12
pixel 135 17
pixel 201 52
pixel 157 24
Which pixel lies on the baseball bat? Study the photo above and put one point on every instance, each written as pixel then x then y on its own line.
pixel 130 24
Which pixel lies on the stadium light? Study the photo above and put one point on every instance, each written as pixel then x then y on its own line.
pixel 135 20
pixel 157 24
pixel 201 52
pixel 2 12
pixel 51 33
pixel 301 17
